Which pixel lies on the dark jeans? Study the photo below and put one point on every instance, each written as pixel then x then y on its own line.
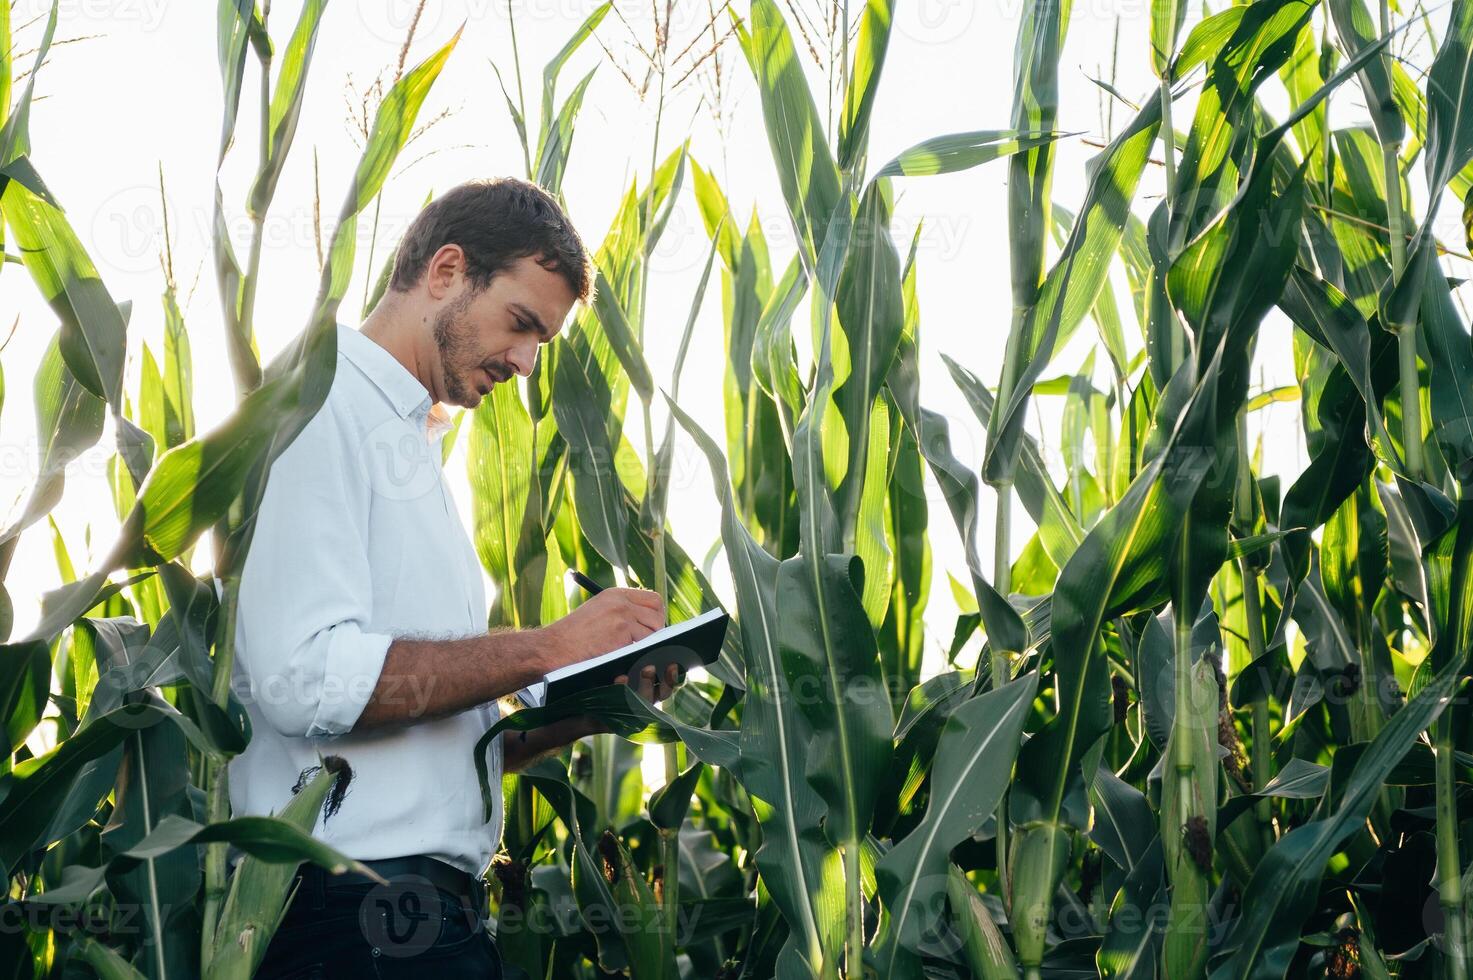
pixel 408 929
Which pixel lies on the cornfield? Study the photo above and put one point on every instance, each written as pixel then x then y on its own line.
pixel 1193 721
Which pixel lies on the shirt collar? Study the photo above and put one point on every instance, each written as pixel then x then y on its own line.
pixel 403 390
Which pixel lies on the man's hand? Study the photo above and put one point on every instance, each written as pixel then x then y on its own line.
pixel 607 621
pixel 654 689
pixel 650 688
pixel 525 748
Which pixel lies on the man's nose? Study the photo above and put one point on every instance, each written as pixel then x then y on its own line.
pixel 523 361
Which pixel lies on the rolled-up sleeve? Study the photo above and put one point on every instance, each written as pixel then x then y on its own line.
pixel 306 592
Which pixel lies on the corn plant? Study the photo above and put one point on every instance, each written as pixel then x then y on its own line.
pixel 1195 720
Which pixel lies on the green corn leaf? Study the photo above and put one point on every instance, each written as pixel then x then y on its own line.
pixel 922 714
pixel 7 64
pixel 972 768
pixel 260 886
pixel 902 632
pixel 806 169
pixel 956 152
pixel 1105 312
pixel 986 950
pixel 518 120
pixel 1071 286
pixel 93 331
pixel 670 803
pixel 635 230
pixel 107 962
pixel 655 503
pixel 1005 628
pixel 1280 395
pixel 392 126
pixel 1286 882
pixel 152 788
pixel 1222 134
pixel 552 160
pixel 828 651
pixel 69 420
pixel 1451 364
pixel 1301 76
pixel 1120 563
pixel 549 127
pixel 585 418
pixel 1059 530
pixel 233 28
pixel 864 82
pixel 286 105
pixel 774 364
pixel 667 184
pixel 1356 31
pixel 1331 319
pixel 33 791
pixel 15 138
pixel 871 318
pixel 1449 94
pixel 25 679
pixel 1124 828
pixel 1040 41
pixel 622 340
pixel 150 404
pixel 1205 40
pixel 194 484
pixel 271 839
pixel 499 463
pixel 1132 942
pixel 775 741
pixel 1167 17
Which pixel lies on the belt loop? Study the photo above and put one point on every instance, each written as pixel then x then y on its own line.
pixel 480 898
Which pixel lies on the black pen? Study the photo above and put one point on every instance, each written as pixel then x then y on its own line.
pixel 588 584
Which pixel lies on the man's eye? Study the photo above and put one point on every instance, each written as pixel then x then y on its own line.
pixel 524 326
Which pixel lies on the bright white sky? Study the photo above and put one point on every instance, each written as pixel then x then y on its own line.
pixel 140 88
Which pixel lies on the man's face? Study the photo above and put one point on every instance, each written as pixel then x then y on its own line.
pixel 484 338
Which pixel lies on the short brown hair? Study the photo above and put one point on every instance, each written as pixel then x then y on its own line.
pixel 495 221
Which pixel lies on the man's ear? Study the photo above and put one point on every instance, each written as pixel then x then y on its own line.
pixel 444 269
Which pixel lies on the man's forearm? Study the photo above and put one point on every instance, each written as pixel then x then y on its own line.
pixel 426 679
pixel 520 750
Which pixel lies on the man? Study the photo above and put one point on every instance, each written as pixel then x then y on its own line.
pixel 361 629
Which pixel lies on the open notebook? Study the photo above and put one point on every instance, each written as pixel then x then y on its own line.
pixel 691 643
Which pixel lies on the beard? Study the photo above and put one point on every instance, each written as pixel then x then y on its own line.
pixel 456 343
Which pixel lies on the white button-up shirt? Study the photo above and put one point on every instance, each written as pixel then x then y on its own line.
pixel 358 541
